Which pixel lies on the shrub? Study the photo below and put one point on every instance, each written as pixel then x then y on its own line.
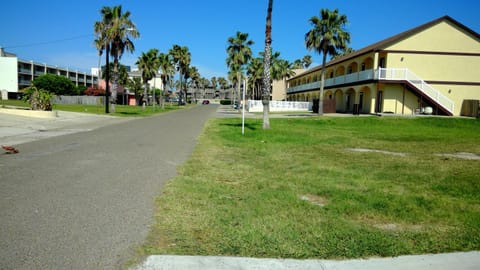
pixel 55 84
pixel 39 99
pixel 79 90
pixel 94 91
pixel 225 102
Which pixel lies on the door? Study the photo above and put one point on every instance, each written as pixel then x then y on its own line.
pixel 379 106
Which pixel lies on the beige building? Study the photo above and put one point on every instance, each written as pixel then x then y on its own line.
pixel 433 68
pixel 279 86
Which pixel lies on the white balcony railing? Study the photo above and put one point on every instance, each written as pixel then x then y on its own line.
pixel 391 74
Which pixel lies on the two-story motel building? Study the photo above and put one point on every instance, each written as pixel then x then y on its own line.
pixel 433 67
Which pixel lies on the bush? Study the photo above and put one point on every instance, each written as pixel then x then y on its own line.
pixel 39 99
pixel 79 90
pixel 55 84
pixel 225 102
pixel 94 91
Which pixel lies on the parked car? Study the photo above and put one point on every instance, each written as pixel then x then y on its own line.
pixel 205 102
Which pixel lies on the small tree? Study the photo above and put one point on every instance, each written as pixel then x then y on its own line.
pixel 55 84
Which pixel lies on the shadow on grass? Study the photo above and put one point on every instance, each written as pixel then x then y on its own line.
pixel 247 125
pixel 130 113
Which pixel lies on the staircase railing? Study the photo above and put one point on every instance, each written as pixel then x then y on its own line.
pixel 404 74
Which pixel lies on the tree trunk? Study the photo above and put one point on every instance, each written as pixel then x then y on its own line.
pixel 107 78
pixel 322 85
pixel 164 93
pixel 266 67
pixel 99 71
pixel 145 97
pixel 113 99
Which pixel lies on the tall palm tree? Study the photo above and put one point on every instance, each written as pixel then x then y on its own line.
pixel 298 64
pixel 223 84
pixel 238 55
pixel 181 58
pixel 167 70
pixel 266 67
pixel 116 30
pixel 135 85
pixel 327 36
pixel 194 79
pixel 99 43
pixel 148 64
pixel 255 75
pixel 214 83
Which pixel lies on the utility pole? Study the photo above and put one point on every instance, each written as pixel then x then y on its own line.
pixel 107 78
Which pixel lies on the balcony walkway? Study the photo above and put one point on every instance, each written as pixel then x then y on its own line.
pixel 383 74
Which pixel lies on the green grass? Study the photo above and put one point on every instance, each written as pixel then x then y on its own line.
pixel 257 195
pixel 121 110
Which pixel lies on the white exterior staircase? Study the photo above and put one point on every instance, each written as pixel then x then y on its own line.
pixel 404 74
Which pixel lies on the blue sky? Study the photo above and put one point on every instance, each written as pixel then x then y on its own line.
pixel 60 32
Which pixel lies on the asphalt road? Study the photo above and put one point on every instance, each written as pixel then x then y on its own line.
pixel 85 200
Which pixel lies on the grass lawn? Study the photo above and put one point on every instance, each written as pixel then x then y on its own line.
pixel 297 191
pixel 121 110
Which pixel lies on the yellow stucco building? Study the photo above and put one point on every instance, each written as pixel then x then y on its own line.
pixel 433 68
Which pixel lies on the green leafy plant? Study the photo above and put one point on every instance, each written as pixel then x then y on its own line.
pixel 56 84
pixel 38 99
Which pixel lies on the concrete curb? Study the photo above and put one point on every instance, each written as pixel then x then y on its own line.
pixel 457 261
pixel 30 113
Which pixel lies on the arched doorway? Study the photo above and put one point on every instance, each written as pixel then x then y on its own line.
pixel 349 100
pixel 339 105
pixel 329 102
pixel 365 100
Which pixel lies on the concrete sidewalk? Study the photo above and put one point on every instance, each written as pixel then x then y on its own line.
pixel 453 261
pixel 16 129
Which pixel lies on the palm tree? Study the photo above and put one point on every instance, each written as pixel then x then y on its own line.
pixel 326 37
pixel 99 43
pixel 298 64
pixel 135 85
pixel 283 71
pixel 181 58
pixel 266 67
pixel 148 64
pixel 238 55
pixel 255 75
pixel 223 84
pixel 167 70
pixel 307 61
pixel 194 79
pixel 116 29
pixel 347 50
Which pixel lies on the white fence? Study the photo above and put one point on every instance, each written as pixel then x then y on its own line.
pixel 279 106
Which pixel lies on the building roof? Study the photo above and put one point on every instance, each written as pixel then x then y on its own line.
pixel 391 40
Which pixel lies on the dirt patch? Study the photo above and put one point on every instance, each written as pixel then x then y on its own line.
pixel 314 199
pixel 461 155
pixel 398 227
pixel 376 151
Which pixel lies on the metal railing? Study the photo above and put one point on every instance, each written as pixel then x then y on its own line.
pixel 404 74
